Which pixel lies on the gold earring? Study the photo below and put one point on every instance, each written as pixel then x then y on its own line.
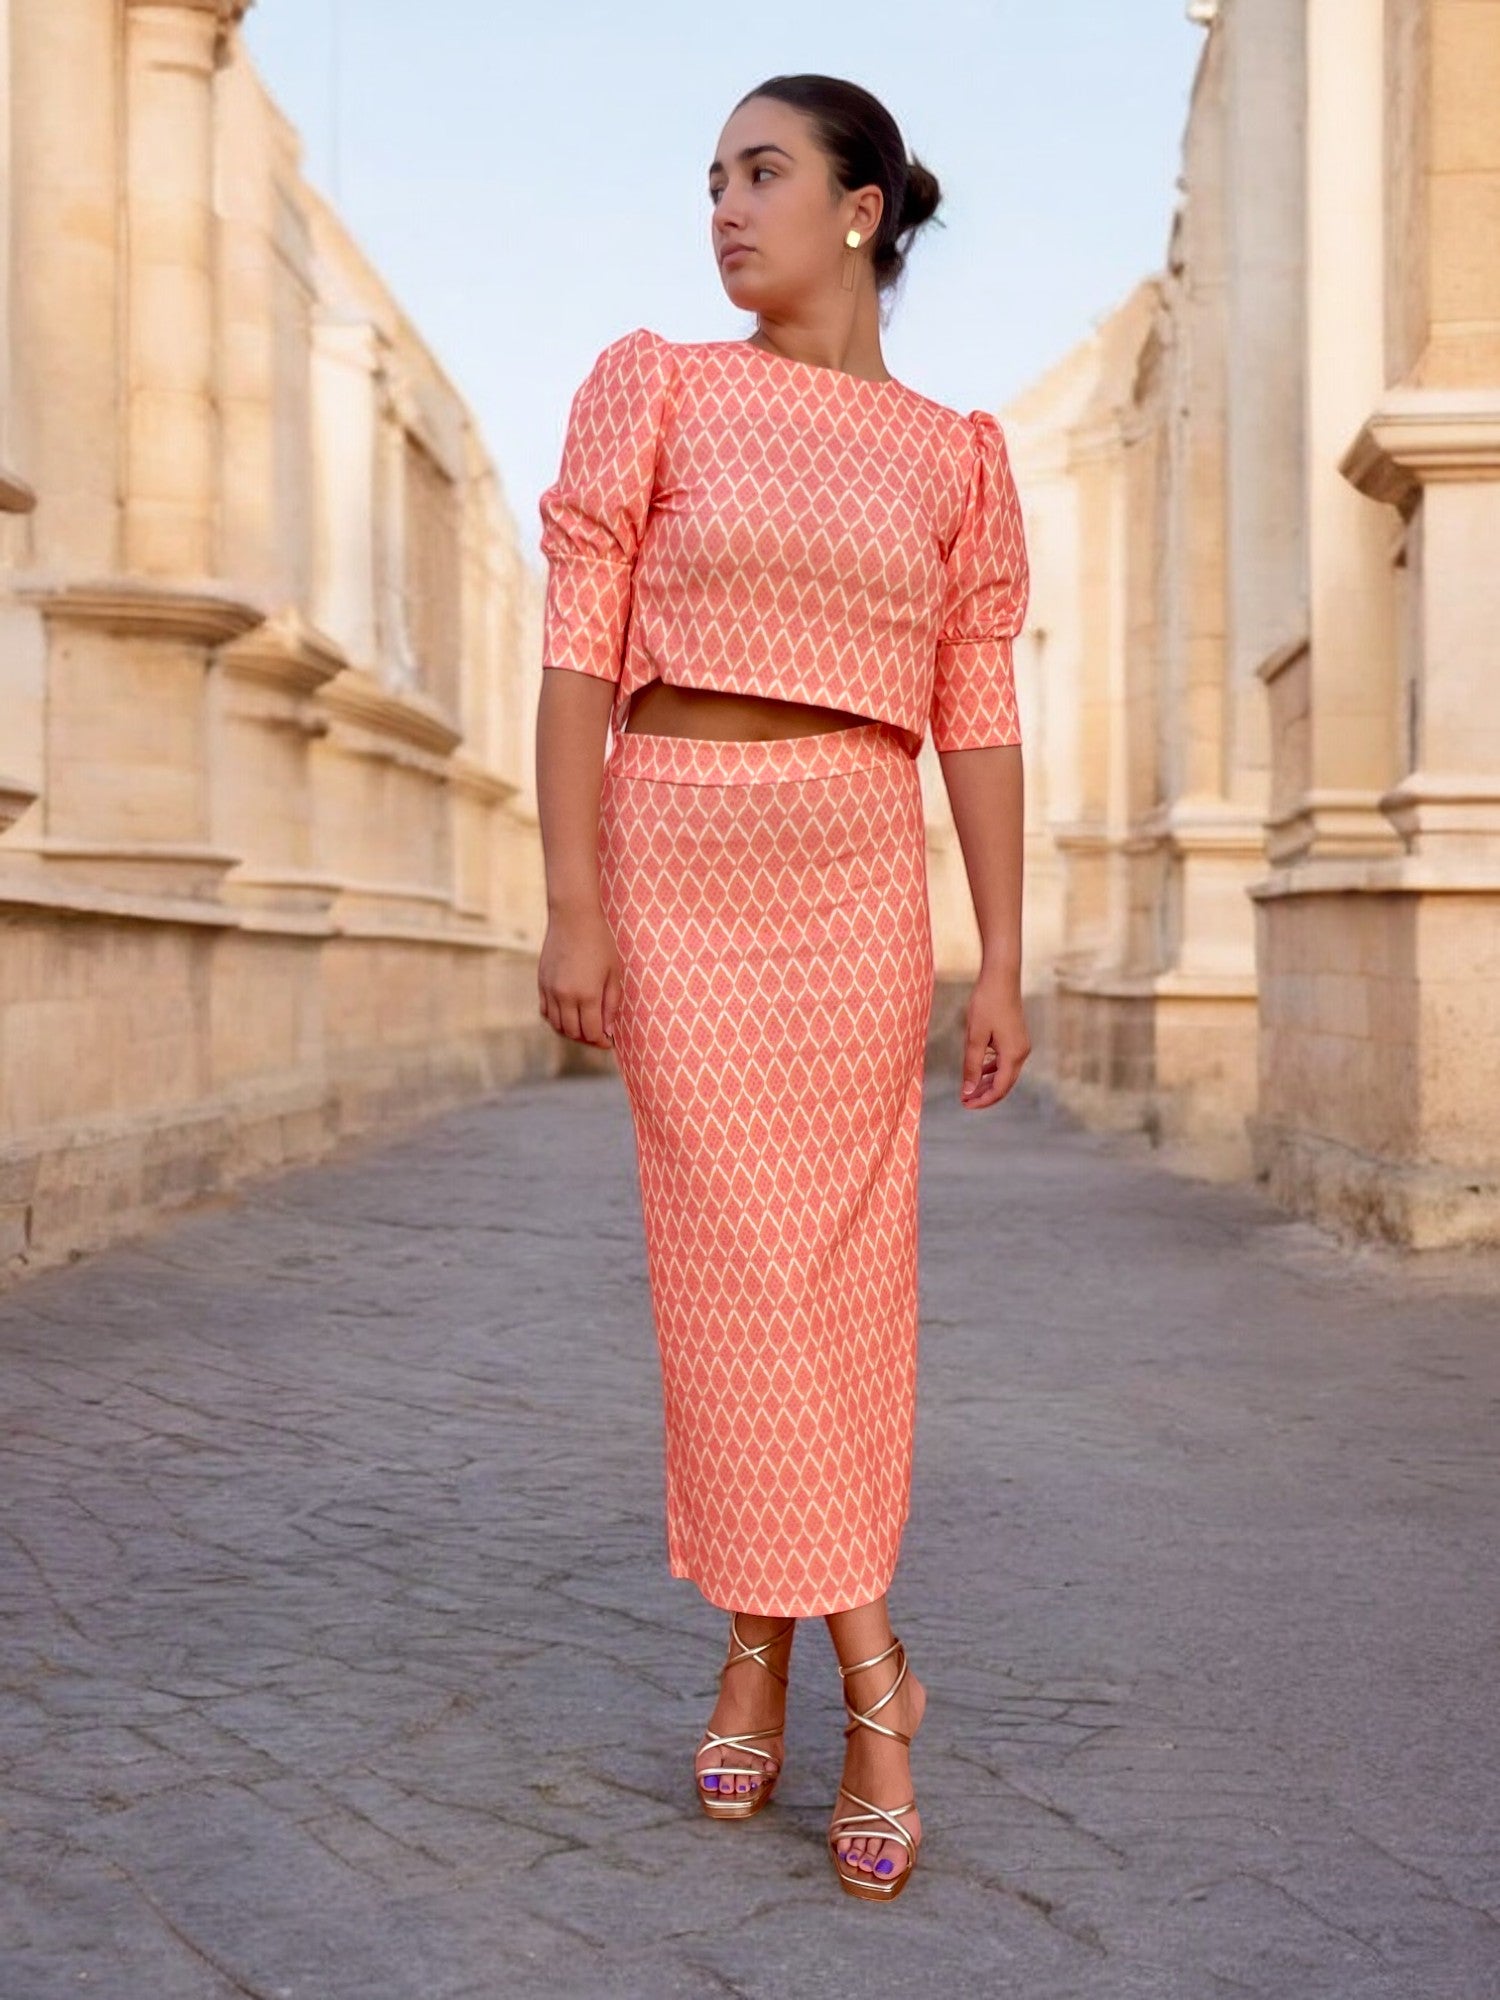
pixel 853 240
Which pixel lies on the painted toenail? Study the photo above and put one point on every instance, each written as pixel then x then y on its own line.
pixel 885 1866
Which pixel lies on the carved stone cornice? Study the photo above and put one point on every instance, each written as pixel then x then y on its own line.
pixel 1415 437
pixel 1203 823
pixel 15 797
pixel 140 606
pixel 1286 656
pixel 223 15
pixel 227 13
pixel 285 652
pixel 356 697
pixel 477 781
pixel 1453 813
pixel 16 497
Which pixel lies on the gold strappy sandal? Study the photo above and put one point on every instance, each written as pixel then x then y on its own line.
pixel 882 1820
pixel 728 1805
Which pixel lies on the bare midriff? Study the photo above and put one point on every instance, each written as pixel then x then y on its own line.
pixel 717 715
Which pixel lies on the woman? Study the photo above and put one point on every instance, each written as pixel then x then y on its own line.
pixel 771 566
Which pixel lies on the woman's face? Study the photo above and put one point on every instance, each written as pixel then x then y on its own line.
pixel 778 219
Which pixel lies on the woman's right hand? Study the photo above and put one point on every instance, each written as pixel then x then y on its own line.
pixel 579 976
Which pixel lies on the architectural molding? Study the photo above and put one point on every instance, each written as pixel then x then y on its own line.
pixel 471 780
pixel 1275 664
pixel 1415 437
pixel 1428 808
pixel 407 718
pixel 1328 822
pixel 284 652
pixel 1173 984
pixel 207 613
pixel 16 797
pixel 1396 874
pixel 16 497
pixel 224 16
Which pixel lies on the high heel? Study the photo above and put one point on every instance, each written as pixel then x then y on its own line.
pixel 727 1805
pixel 884 1820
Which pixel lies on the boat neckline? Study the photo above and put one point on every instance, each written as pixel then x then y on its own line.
pixel 814 367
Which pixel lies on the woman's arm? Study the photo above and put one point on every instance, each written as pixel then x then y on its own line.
pixel 986 789
pixel 593 517
pixel 578 972
pixel 976 731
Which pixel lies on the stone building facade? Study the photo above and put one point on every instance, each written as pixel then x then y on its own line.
pixel 269 872
pixel 1265 509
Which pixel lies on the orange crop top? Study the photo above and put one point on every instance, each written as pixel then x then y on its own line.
pixel 725 517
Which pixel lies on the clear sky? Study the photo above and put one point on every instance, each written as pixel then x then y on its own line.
pixel 532 181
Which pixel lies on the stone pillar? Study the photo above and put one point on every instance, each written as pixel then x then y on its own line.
pixel 171 51
pixel 65 245
pixel 344 447
pixel 398 665
pixel 266 291
pixel 15 495
pixel 1266 595
pixel 1348 745
pixel 22 682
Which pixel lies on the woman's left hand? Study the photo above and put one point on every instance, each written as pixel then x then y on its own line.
pixel 996 1043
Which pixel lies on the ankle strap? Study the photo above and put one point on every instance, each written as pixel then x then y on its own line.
pixel 862 1718
pixel 756 1653
pixel 875 1662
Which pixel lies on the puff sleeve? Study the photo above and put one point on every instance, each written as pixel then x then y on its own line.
pixel 594 513
pixel 984 605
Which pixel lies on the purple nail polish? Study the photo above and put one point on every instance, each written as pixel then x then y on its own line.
pixel 884 1866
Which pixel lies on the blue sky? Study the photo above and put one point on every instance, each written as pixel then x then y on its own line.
pixel 532 182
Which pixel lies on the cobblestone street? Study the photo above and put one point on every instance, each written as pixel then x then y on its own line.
pixel 341 1661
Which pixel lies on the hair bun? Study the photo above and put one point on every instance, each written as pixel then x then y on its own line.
pixel 922 196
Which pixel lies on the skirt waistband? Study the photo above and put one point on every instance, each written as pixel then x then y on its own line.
pixel 692 760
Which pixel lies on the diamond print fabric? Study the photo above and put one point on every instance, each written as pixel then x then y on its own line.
pixel 725 517
pixel 769 900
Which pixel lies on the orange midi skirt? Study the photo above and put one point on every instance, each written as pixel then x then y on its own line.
pixel 769 902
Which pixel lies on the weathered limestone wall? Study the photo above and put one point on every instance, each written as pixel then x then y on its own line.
pixel 1271 741
pixel 1379 920
pixel 1181 463
pixel 269 871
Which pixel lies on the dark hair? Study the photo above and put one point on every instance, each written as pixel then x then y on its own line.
pixel 864 145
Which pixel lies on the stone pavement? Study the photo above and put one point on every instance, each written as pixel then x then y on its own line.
pixel 341 1662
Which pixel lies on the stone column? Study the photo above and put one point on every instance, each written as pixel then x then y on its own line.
pixel 1350 749
pixel 398 665
pixel 1267 581
pixel 344 465
pixel 63 426
pixel 22 686
pixel 171 52
pixel 267 288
